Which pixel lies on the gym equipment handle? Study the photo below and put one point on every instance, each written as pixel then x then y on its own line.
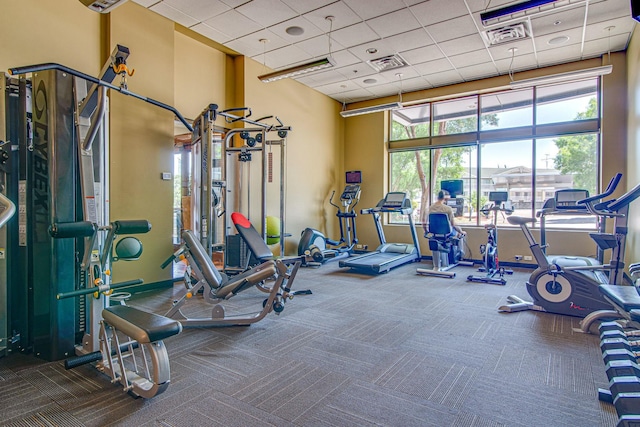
pixel 9 209
pixel 79 292
pixel 132 226
pixel 53 66
pixel 168 261
pixel 74 362
pixel 63 230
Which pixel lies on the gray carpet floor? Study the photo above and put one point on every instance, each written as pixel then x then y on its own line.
pixel 390 350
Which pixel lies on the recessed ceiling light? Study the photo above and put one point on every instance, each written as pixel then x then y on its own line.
pixel 295 31
pixel 558 40
pixel 369 81
pixel 372 50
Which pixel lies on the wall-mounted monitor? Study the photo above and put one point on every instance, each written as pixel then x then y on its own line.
pixel 454 187
pixel 353 177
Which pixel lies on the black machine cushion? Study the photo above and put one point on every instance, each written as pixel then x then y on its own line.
pixel 626 297
pixel 251 237
pixel 140 325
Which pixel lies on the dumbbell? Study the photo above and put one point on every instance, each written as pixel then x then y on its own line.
pixel 618 343
pixel 619 385
pixel 619 354
pixel 622 368
pixel 627 404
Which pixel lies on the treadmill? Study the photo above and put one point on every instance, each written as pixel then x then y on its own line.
pixel 387 255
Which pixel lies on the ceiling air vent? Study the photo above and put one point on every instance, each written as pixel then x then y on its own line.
pixel 506 34
pixel 387 63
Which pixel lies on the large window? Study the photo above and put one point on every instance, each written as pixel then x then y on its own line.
pixel 529 143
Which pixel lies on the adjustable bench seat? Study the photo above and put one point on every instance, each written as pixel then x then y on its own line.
pixel 140 325
pixel 626 297
pixel 247 279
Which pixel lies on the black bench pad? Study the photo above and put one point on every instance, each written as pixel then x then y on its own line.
pixel 140 325
pixel 625 296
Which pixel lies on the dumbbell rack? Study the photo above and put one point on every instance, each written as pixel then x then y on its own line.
pixel 620 350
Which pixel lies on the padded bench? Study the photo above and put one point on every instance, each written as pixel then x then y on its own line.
pixel 626 297
pixel 140 325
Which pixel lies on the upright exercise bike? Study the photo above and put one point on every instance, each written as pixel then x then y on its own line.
pixel 490 264
pixel 572 290
pixel 317 246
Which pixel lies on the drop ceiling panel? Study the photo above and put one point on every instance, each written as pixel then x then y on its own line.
pixel 471 58
pixel 343 16
pixel 392 75
pixel 319 46
pixel 267 12
pixel 344 58
pixel 478 71
pixel 594 47
pixel 202 9
pixel 310 30
pixel 418 83
pixel 462 45
pixel 440 39
pixel 437 66
pixel 304 6
pixel 146 3
pixel 394 23
pixel 286 56
pixel 453 29
pixel 211 33
pixel 253 44
pixel 354 95
pixel 409 40
pixel 542 42
pixel 367 9
pixel 523 47
pixel 557 56
pixel 173 14
pixel 355 35
pixel 434 11
pixel 233 24
pixel 558 21
pixel 423 54
pixel 443 79
pixel 607 10
pixel 385 90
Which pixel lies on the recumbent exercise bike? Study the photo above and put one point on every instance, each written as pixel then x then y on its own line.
pixel 447 250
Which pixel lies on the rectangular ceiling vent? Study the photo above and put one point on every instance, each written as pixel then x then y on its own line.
pixel 387 63
pixel 506 34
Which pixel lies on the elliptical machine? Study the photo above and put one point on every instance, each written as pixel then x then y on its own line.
pixel 317 246
pixel 490 263
pixel 558 286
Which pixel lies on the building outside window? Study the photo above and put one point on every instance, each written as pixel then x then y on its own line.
pixel 529 143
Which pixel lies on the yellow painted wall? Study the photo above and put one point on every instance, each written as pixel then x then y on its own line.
pixel 142 137
pixel 365 149
pixel 632 149
pixel 200 76
pixel 314 151
pixel 36 31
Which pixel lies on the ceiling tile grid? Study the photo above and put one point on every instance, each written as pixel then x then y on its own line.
pixel 443 41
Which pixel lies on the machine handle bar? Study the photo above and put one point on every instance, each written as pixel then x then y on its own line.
pixel 132 226
pixel 9 209
pixel 331 200
pixel 64 230
pixel 53 66
pixel 101 288
pixel 610 189
pixel 168 261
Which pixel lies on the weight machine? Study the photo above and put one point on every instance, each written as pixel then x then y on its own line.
pixel 68 236
pixel 217 160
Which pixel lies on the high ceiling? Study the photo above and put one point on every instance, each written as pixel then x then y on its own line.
pixel 442 41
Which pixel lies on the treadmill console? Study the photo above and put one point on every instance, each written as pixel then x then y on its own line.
pixel 396 200
pixel 568 198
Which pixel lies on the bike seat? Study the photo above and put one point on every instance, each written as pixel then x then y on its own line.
pixel 519 220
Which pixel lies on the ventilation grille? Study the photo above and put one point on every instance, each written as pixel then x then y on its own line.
pixel 387 63
pixel 506 34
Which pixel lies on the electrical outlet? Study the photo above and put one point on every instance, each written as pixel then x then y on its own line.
pixel 528 258
pixel 518 257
